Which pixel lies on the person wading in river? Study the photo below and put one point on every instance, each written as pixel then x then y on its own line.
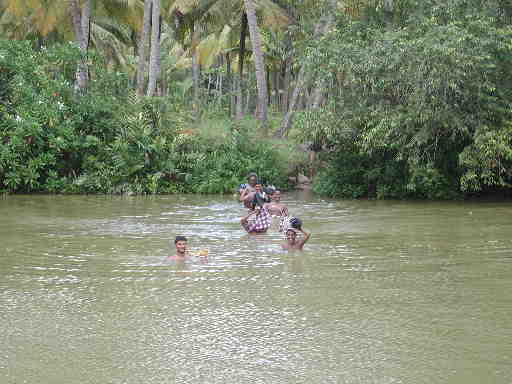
pixel 255 197
pixel 292 243
pixel 180 242
pixel 261 222
pixel 245 189
pixel 275 208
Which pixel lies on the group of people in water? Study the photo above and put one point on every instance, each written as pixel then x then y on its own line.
pixel 264 205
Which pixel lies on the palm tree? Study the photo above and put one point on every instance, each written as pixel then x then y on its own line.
pixel 114 41
pixel 154 61
pixel 241 57
pixel 196 66
pixel 258 62
pixel 44 19
pixel 216 15
pixel 143 43
pixel 22 18
pixel 191 17
pixel 322 27
pixel 81 18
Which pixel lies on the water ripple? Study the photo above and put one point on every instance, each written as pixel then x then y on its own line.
pixel 385 292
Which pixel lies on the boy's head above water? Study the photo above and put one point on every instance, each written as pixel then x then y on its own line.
pixel 180 238
pixel 291 235
pixel 180 242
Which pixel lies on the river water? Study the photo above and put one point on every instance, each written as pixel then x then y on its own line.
pixel 385 292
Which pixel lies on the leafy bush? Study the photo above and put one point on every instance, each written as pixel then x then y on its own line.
pixel 38 128
pixel 108 140
pixel 433 95
pixel 351 174
pixel 488 160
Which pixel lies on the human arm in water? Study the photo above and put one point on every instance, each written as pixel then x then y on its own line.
pixel 244 193
pixel 304 239
pixel 244 220
pixel 261 222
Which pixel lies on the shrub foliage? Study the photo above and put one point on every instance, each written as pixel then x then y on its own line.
pixel 109 141
pixel 419 106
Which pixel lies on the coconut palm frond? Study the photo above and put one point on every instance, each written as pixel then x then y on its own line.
pixel 124 11
pixel 112 41
pixel 213 45
pixel 272 15
pixel 120 31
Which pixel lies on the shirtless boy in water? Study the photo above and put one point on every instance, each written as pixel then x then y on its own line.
pixel 275 208
pixel 248 189
pixel 180 242
pixel 292 243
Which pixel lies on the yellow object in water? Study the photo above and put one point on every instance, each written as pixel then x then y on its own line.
pixel 203 253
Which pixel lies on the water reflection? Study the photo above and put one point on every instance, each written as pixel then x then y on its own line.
pixel 385 292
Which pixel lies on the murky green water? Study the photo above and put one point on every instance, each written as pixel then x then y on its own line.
pixel 386 292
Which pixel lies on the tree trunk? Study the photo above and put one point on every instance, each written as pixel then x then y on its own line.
pixel 220 89
pixel 247 101
pixel 86 22
pixel 230 85
pixel 277 89
pixel 287 72
pixel 241 55
pixel 143 43
pixel 154 60
pixel 195 70
pixel 159 58
pixel 287 120
pixel 287 84
pixel 259 64
pixel 135 46
pixel 238 111
pixel 81 17
pixel 388 12
pixel 320 29
pixel 317 94
pixel 269 86
pixel 220 80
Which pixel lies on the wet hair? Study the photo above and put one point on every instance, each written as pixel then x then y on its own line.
pixel 180 238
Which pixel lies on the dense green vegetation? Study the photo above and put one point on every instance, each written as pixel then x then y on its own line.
pixel 108 140
pixel 419 102
pixel 399 98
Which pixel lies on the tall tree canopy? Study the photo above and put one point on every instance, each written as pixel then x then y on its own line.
pixel 398 97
